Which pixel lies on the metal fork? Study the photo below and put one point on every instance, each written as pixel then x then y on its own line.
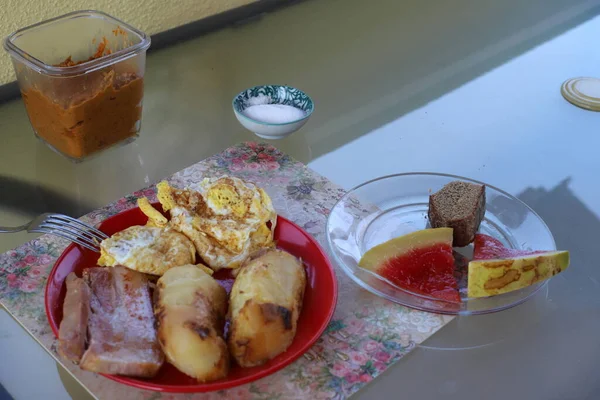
pixel 63 226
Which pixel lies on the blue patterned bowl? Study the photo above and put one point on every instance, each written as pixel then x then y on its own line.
pixel 272 94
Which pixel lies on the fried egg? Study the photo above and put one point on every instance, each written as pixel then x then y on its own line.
pixel 225 218
pixel 155 218
pixel 147 249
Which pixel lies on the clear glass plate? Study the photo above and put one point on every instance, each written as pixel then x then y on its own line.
pixel 394 205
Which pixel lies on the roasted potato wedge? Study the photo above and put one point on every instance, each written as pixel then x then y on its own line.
pixel 190 314
pixel 265 302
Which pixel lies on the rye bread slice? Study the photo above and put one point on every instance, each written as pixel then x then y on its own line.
pixel 458 205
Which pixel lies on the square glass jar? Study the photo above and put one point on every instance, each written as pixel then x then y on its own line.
pixel 81 76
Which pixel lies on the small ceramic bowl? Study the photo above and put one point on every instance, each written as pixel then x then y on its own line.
pixel 272 94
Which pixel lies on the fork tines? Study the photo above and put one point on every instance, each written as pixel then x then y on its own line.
pixel 73 230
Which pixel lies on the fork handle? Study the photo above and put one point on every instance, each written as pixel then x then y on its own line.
pixel 10 229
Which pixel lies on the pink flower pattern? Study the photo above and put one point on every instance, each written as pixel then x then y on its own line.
pixel 359 358
pixel 340 370
pixel 28 285
pixel 251 158
pixel 383 356
pixel 365 336
pixel 370 346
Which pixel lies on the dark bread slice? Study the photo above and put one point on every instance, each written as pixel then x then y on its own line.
pixel 458 205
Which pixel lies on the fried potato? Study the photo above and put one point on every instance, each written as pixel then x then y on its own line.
pixel 155 218
pixel 190 314
pixel 265 302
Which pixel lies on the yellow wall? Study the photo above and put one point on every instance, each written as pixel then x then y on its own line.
pixel 150 16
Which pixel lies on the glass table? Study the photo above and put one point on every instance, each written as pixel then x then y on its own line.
pixel 469 88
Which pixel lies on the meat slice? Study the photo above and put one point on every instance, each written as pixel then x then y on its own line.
pixel 72 333
pixel 123 338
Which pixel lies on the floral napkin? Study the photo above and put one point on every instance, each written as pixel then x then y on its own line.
pixel 366 335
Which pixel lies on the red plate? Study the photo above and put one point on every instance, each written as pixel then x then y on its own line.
pixel 319 304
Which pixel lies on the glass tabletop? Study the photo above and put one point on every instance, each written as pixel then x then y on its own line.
pixel 470 88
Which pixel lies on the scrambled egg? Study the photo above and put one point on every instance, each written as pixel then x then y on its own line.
pixel 225 218
pixel 148 249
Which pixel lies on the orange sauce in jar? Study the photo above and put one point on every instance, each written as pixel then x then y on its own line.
pixel 81 115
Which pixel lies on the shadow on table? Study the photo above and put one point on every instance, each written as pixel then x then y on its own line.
pixel 363 65
pixel 419 50
pixel 4 395
pixel 569 332
pixel 575 228
pixel 573 224
pixel 32 199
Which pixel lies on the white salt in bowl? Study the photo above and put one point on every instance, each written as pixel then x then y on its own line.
pixel 273 94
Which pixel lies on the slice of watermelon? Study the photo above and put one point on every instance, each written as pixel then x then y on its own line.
pixel 496 269
pixel 489 248
pixel 421 262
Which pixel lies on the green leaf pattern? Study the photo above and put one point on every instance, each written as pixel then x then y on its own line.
pixel 273 94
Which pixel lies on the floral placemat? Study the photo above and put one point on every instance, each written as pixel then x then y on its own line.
pixel 366 335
